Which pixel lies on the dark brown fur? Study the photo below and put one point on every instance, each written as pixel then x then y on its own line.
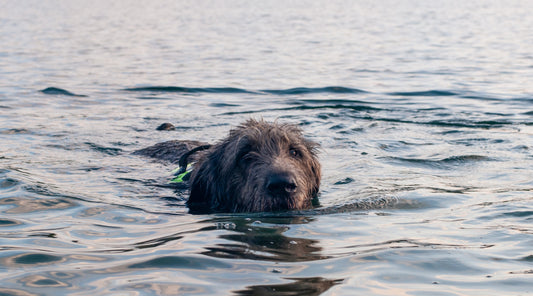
pixel 258 167
pixel 171 151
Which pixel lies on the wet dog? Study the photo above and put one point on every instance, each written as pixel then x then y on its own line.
pixel 259 167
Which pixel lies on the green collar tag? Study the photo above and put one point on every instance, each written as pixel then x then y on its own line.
pixel 180 178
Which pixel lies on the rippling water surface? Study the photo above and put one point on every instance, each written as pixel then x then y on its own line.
pixel 423 109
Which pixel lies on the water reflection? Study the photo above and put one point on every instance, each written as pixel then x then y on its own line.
pixel 39 281
pixel 184 262
pixel 15 292
pixel 300 286
pixel 9 222
pixel 28 205
pixel 166 289
pixel 31 259
pixel 265 239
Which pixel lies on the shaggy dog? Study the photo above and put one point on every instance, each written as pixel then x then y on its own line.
pixel 258 167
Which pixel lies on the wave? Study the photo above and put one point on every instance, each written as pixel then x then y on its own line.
pixel 444 163
pixel 359 111
pixel 233 90
pixel 59 91
pixel 180 89
pixel 356 108
pixel 106 150
pixel 305 91
pixel 471 124
pixel 427 93
pixel 315 90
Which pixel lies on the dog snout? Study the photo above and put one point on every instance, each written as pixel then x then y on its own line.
pixel 281 184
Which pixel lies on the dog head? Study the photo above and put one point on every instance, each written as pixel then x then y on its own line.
pixel 258 167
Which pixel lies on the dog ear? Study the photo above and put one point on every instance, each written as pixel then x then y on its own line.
pixel 316 171
pixel 199 198
pixel 203 182
pixel 209 181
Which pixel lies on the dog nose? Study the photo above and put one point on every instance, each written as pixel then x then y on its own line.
pixel 281 184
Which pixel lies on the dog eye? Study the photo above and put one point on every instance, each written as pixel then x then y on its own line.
pixel 294 152
pixel 246 158
pixel 245 155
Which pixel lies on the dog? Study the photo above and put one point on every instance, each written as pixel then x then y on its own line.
pixel 259 166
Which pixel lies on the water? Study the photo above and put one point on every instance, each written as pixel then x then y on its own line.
pixel 427 105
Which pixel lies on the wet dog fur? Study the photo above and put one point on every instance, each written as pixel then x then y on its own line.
pixel 259 167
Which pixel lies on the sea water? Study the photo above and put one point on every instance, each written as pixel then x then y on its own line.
pixel 423 110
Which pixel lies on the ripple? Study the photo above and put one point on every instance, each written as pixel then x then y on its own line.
pixel 298 286
pixel 15 292
pixel 168 289
pixel 357 108
pixel 402 243
pixel 39 281
pixel 16 131
pixel 444 163
pixel 465 158
pixel 180 89
pixel 344 181
pixel 427 93
pixel 8 183
pixel 233 90
pixel 470 123
pixel 106 150
pixel 5 222
pixel 314 90
pixel 528 258
pixel 519 214
pixel 32 259
pixel 180 262
pixel 59 91
pixel 153 98
pixel 223 105
pixel 29 205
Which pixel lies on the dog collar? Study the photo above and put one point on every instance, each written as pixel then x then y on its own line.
pixel 181 175
pixel 183 172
